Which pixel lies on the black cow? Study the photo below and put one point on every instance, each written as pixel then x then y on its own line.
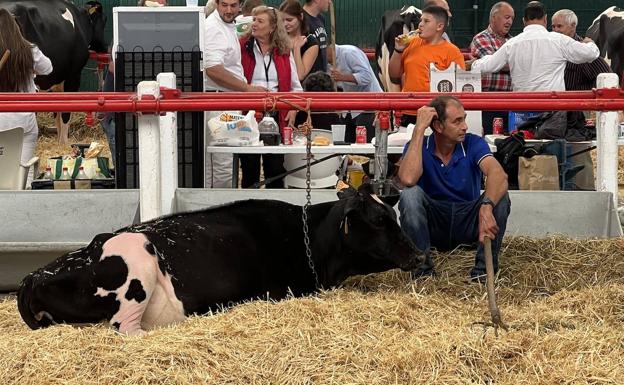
pixel 158 272
pixel 64 33
pixel 607 31
pixel 393 23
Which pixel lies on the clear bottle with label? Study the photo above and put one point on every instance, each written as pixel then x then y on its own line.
pixel 48 174
pixel 81 174
pixel 65 174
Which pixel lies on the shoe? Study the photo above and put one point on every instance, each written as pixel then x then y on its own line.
pixel 417 274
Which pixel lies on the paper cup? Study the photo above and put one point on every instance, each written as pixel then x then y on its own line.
pixel 338 132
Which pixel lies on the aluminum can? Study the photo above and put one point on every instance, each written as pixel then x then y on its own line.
pixel 360 134
pixel 287 135
pixel 497 126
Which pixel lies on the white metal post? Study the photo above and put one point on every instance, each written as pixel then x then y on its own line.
pixel 168 149
pixel 607 142
pixel 149 155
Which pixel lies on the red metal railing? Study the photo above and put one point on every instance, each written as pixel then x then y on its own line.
pixel 174 100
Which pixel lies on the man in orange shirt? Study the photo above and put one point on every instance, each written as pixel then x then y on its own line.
pixel 410 59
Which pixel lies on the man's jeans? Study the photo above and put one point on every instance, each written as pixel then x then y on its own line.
pixel 445 225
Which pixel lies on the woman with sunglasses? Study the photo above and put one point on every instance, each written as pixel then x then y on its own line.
pixel 305 46
pixel 267 62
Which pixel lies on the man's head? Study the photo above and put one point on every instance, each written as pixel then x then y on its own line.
pixel 317 6
pixel 501 18
pixel 228 9
pixel 319 81
pixel 439 3
pixel 565 21
pixel 535 13
pixel 432 22
pixel 249 5
pixel 451 120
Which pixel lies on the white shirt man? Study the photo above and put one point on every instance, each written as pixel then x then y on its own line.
pixel 537 58
pixel 223 71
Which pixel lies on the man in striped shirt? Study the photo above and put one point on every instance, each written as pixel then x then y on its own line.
pixel 486 43
pixel 577 76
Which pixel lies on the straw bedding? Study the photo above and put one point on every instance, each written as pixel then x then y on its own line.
pixel 562 299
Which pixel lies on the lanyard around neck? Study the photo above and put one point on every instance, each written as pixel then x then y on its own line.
pixel 266 65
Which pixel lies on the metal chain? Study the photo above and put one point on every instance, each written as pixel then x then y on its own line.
pixel 306 206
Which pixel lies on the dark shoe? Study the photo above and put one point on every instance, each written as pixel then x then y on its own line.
pixel 417 273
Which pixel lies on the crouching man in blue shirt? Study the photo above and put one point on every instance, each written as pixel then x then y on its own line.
pixel 442 205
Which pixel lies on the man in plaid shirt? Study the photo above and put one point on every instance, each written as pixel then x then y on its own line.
pixel 486 43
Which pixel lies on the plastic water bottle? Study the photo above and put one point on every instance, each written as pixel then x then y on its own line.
pixel 65 175
pixel 48 174
pixel 269 131
pixel 81 174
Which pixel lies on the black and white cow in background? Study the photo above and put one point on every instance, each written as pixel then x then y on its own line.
pixel 64 33
pixel 393 23
pixel 607 31
pixel 158 272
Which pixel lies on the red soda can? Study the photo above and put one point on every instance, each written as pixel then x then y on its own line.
pixel 497 126
pixel 360 134
pixel 287 135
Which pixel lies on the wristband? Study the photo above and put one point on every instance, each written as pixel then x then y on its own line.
pixel 399 51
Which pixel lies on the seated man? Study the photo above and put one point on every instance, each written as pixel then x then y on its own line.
pixel 441 204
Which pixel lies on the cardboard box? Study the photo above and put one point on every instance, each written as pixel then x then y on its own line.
pixel 442 80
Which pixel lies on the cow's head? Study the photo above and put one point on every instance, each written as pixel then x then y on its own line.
pixel 372 240
pixel 97 19
pixel 64 290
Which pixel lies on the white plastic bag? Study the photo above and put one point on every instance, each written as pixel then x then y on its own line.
pixel 231 129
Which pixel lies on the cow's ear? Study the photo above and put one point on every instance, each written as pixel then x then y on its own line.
pixel 387 191
pixel 344 191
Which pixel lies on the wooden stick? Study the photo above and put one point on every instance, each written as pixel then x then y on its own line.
pixel 332 21
pixel 497 320
pixel 5 57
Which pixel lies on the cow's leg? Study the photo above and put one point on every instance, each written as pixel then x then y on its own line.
pixel 135 294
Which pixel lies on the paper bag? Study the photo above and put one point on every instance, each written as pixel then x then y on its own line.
pixel 539 172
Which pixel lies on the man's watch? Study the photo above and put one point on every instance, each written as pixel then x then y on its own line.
pixel 487 201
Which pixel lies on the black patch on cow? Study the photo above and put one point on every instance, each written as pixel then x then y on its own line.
pixel 116 325
pixel 110 273
pixel 135 291
pixel 149 247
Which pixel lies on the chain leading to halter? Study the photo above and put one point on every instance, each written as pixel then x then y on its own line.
pixel 306 129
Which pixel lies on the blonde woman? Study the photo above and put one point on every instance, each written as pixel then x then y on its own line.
pixel 305 45
pixel 267 62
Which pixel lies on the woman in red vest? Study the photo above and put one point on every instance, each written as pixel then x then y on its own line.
pixel 266 59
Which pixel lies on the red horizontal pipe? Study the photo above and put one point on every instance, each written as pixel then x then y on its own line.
pixel 106 96
pixel 148 106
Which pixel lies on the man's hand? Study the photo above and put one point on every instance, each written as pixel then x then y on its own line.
pixel 252 88
pixel 487 223
pixel 290 118
pixel 398 43
pixel 424 118
pixel 339 76
pixel 587 40
pixel 469 64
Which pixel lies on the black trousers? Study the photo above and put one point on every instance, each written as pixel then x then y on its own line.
pixel 272 164
pixel 365 119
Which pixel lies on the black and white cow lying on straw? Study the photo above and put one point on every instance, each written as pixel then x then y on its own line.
pixel 158 272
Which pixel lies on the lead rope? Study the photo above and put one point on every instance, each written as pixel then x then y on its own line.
pixel 306 129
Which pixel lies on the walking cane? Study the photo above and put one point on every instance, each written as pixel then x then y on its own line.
pixel 496 319
pixel 332 21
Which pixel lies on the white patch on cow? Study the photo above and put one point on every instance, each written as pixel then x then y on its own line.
pixel 161 306
pixel 411 9
pixel 69 17
pixel 610 12
pixel 375 197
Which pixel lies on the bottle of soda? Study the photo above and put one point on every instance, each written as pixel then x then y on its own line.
pixel 65 175
pixel 48 174
pixel 81 174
